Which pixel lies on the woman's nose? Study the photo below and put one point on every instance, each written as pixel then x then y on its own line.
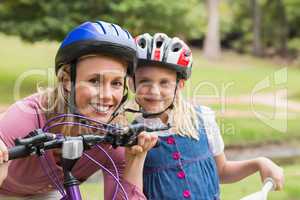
pixel 104 92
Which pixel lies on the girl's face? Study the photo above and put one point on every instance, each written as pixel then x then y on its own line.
pixel 155 87
pixel 99 86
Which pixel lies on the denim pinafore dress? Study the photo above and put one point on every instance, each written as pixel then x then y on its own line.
pixel 181 168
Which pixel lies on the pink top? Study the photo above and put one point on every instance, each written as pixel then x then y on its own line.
pixel 26 176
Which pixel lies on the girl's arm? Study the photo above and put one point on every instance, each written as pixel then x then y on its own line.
pixel 131 173
pixel 233 171
pixel 135 158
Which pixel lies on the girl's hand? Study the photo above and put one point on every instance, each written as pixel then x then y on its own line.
pixel 135 158
pixel 267 168
pixel 145 142
pixel 3 162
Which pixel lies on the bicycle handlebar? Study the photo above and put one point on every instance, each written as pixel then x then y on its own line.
pixel 38 141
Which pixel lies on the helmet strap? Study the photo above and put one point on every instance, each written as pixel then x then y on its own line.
pixel 72 97
pixel 118 110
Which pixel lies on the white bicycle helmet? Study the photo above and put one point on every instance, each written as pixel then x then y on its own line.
pixel 171 52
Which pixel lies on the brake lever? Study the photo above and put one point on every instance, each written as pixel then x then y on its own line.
pixel 35 137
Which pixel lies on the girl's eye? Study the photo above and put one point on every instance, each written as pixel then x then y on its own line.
pixel 117 83
pixel 144 82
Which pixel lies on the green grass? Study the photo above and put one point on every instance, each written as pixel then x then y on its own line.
pixel 251 184
pixel 236 74
pixel 235 191
pixel 251 131
pixel 17 60
pixel 92 191
pixel 233 74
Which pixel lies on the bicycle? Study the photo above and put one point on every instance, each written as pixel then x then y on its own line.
pixel 268 186
pixel 73 148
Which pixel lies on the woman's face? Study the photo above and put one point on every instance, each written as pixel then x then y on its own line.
pixel 155 88
pixel 99 86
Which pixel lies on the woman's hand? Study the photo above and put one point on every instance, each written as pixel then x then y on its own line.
pixel 3 152
pixel 267 168
pixel 3 161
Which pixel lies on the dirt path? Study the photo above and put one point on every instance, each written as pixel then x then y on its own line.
pixel 277 151
pixel 278 102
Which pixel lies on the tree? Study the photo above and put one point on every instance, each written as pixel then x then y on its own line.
pixel 256 15
pixel 212 49
pixel 36 20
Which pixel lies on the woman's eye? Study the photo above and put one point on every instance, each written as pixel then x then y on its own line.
pixel 95 81
pixel 165 83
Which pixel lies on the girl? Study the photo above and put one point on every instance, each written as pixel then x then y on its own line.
pixel 91 66
pixel 190 161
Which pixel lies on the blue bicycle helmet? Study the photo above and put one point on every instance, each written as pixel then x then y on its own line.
pixel 97 37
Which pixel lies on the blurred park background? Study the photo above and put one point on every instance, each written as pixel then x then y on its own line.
pixel 246 66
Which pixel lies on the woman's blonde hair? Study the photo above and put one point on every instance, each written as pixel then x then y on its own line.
pixel 54 102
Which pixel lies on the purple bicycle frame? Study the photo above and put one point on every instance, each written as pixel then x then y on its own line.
pixel 73 193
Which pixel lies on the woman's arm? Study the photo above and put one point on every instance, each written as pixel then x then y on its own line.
pixel 233 171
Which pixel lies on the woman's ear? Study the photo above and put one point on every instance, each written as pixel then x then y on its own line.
pixel 131 84
pixel 66 82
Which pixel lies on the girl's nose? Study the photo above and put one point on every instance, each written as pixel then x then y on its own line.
pixel 155 89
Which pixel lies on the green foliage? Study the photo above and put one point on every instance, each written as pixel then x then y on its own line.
pixel 36 20
pixel 278 18
pixel 51 20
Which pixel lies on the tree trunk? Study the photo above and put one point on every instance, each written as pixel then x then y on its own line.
pixel 212 49
pixel 284 28
pixel 256 14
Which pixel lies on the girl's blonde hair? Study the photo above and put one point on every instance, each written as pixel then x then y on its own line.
pixel 185 118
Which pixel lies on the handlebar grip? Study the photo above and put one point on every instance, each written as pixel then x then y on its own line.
pixel 18 152
pixel 155 146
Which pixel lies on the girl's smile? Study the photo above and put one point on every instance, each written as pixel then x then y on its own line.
pixel 155 88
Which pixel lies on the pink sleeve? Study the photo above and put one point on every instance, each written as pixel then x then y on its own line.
pixel 18 121
pixel 132 191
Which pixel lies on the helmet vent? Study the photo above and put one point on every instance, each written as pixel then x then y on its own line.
pixel 176 47
pixel 113 26
pixel 142 43
pixel 159 44
pixel 100 24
